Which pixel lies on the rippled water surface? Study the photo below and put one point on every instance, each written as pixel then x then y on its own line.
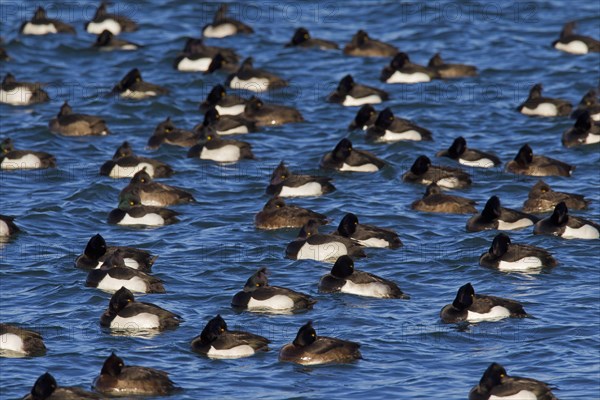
pixel 207 257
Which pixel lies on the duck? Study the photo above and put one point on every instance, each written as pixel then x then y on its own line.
pixel 132 86
pixel 125 164
pixel 509 257
pixel 108 42
pixel 224 104
pixel 445 177
pixel 22 342
pixel 197 57
pixel 153 193
pixel 223 26
pixel 217 341
pixel 253 79
pixel 583 132
pixel 435 201
pixel 284 183
pixel 402 70
pixel 68 123
pixel 124 313
pixel 471 307
pixel 497 384
pixel 114 274
pixel 367 235
pixel 459 151
pixel 449 71
pixel 526 163
pixel 361 45
pixel 96 252
pixel 302 38
pixel 132 212
pixel 343 278
pixel 258 295
pixel 21 93
pixel 12 159
pixel 227 124
pixel 560 223
pixel 115 23
pixel 570 42
pixel 276 214
pixel 271 114
pixel 542 198
pixel 40 24
pixel 494 216
pixel 312 245
pixel 344 158
pixel 589 102
pixel 536 105
pixel 46 388
pixel 7 226
pixel 389 128
pixel 310 349
pixel 210 146
pixel 118 379
pixel 349 93
pixel 166 132
pixel 364 119
pixel 3 53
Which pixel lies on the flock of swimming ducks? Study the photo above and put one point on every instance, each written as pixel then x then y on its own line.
pixel 124 271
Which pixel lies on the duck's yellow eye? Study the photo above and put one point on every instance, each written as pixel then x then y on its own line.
pixel 306 36
pixel 120 364
pixel 129 300
pixel 167 129
pixel 138 79
pixel 222 94
pixel 313 335
pixel 258 284
pixel 143 180
pixel 131 203
pixel 209 137
pixel 544 190
pixel 282 176
pixel 502 375
pixel 222 329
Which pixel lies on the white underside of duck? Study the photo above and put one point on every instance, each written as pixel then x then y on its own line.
pixel 128 172
pixel 189 65
pixel 573 47
pixel 233 110
pixel 542 110
pixel 28 161
pixel 219 31
pixel 415 77
pixel 522 395
pixel 495 314
pixel 523 264
pixel 481 163
pixel 111 285
pixel 139 321
pixel 521 223
pixel 38 29
pixel 373 289
pixel 391 136
pixel 19 96
pixel 12 342
pixel 277 302
pixel 308 189
pixel 322 252
pixel 240 351
pixel 350 101
pixel 110 25
pixel 585 232
pixel 137 94
pixel 149 219
pixel 242 129
pixel 225 154
pixel 253 84
pixel 374 242
pixel 359 168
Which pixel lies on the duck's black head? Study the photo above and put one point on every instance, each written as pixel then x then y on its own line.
pixel 213 329
pixel 130 79
pixel 363 115
pixel 399 60
pixel 536 91
pixel 96 247
pixel 421 165
pixel 211 117
pixel 306 335
pixel 300 36
pixel 343 267
pixel 280 173
pixel 112 366
pixel 457 148
pixel 500 245
pixel 385 118
pixel 492 376
pixel 7 145
pixel 141 177
pixel 43 387
pixel 217 62
pixel 524 156
pixel 348 225
pixel 274 203
pixel 464 297
pixel 309 229
pixel 65 109
pixel 432 189
pixel 120 299
pixel 560 216
pixel 125 150
pixel 342 150
pixel 345 85
pixel 492 209
pixel 361 37
pixel 217 93
pixel 104 38
pixel 257 280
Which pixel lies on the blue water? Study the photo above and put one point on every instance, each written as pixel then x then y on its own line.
pixel 207 257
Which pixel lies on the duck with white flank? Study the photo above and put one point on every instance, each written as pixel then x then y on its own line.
pixel 471 307
pixel 125 164
pixel 367 235
pixel 494 216
pixel 560 223
pixel 536 105
pixel 424 173
pixel 509 257
pixel 459 151
pixel 343 278
pixel 258 295
pixel 344 157
pixel 312 245
pixel 349 93
pixel 389 128
pixel 402 70
pixel 284 183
